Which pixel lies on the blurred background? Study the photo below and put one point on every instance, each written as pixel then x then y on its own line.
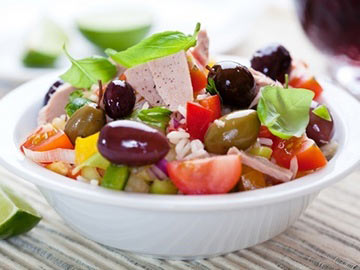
pixel 32 31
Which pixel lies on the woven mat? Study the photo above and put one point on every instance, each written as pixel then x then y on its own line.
pixel 327 236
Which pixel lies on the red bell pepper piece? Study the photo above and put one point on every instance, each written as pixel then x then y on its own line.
pixel 198 119
pixel 213 104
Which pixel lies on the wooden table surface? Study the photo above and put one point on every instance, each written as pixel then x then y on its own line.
pixel 326 236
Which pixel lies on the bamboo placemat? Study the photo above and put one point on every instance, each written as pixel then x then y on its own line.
pixel 327 236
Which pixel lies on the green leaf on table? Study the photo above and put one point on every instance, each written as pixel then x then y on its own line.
pixel 322 112
pixel 88 71
pixel 157 117
pixel 285 112
pixel 156 46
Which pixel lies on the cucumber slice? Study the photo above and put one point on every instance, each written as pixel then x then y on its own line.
pixel 16 215
pixel 114 30
pixel 44 45
pixel 115 177
pixel 163 187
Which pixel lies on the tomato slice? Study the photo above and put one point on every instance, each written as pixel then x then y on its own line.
pixel 308 154
pixel 206 176
pixel 213 104
pixel 198 78
pixel 264 132
pixel 198 119
pixel 309 83
pixel 45 139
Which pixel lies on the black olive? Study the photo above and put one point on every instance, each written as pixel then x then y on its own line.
pixel 52 90
pixel 274 61
pixel 132 143
pixel 234 82
pixel 119 99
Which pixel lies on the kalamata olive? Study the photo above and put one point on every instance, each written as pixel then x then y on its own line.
pixel 239 128
pixel 84 122
pixel 52 90
pixel 234 82
pixel 132 143
pixel 119 99
pixel 319 129
pixel 273 60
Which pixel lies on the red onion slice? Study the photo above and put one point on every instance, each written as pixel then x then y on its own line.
pixel 263 165
pixel 64 155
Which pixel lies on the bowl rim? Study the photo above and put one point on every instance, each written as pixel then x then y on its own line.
pixel 19 109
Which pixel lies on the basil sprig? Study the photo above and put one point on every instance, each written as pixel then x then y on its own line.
pixel 85 72
pixel 285 112
pixel 156 46
pixel 157 117
pixel 76 101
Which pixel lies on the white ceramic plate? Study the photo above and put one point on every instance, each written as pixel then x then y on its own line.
pixel 174 226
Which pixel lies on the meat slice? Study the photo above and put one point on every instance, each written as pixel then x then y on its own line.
pixel 261 80
pixel 263 165
pixel 201 50
pixel 171 76
pixel 56 105
pixel 141 79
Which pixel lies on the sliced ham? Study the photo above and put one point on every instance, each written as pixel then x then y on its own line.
pixel 201 50
pixel 56 104
pixel 141 79
pixel 261 80
pixel 263 165
pixel 172 79
pixel 163 82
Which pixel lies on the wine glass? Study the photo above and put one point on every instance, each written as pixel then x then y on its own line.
pixel 333 26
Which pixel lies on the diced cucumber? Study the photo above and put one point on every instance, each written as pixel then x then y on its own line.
pixel 90 173
pixel 95 161
pixel 115 177
pixel 163 187
pixel 261 151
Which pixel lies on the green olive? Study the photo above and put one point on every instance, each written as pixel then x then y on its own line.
pixel 85 122
pixel 239 128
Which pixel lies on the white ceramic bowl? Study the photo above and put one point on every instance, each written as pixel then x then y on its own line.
pixel 174 226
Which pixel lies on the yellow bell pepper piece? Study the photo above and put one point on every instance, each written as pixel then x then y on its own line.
pixel 85 148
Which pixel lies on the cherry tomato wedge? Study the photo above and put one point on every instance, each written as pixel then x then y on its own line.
pixel 198 119
pixel 45 139
pixel 206 176
pixel 198 78
pixel 213 104
pixel 309 83
pixel 264 132
pixel 308 154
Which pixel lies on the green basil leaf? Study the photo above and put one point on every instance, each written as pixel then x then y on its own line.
pixel 157 116
pixel 211 88
pixel 156 46
pixel 86 72
pixel 76 104
pixel 76 94
pixel 322 112
pixel 285 111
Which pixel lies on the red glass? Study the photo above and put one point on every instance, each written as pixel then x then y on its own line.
pixel 333 26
